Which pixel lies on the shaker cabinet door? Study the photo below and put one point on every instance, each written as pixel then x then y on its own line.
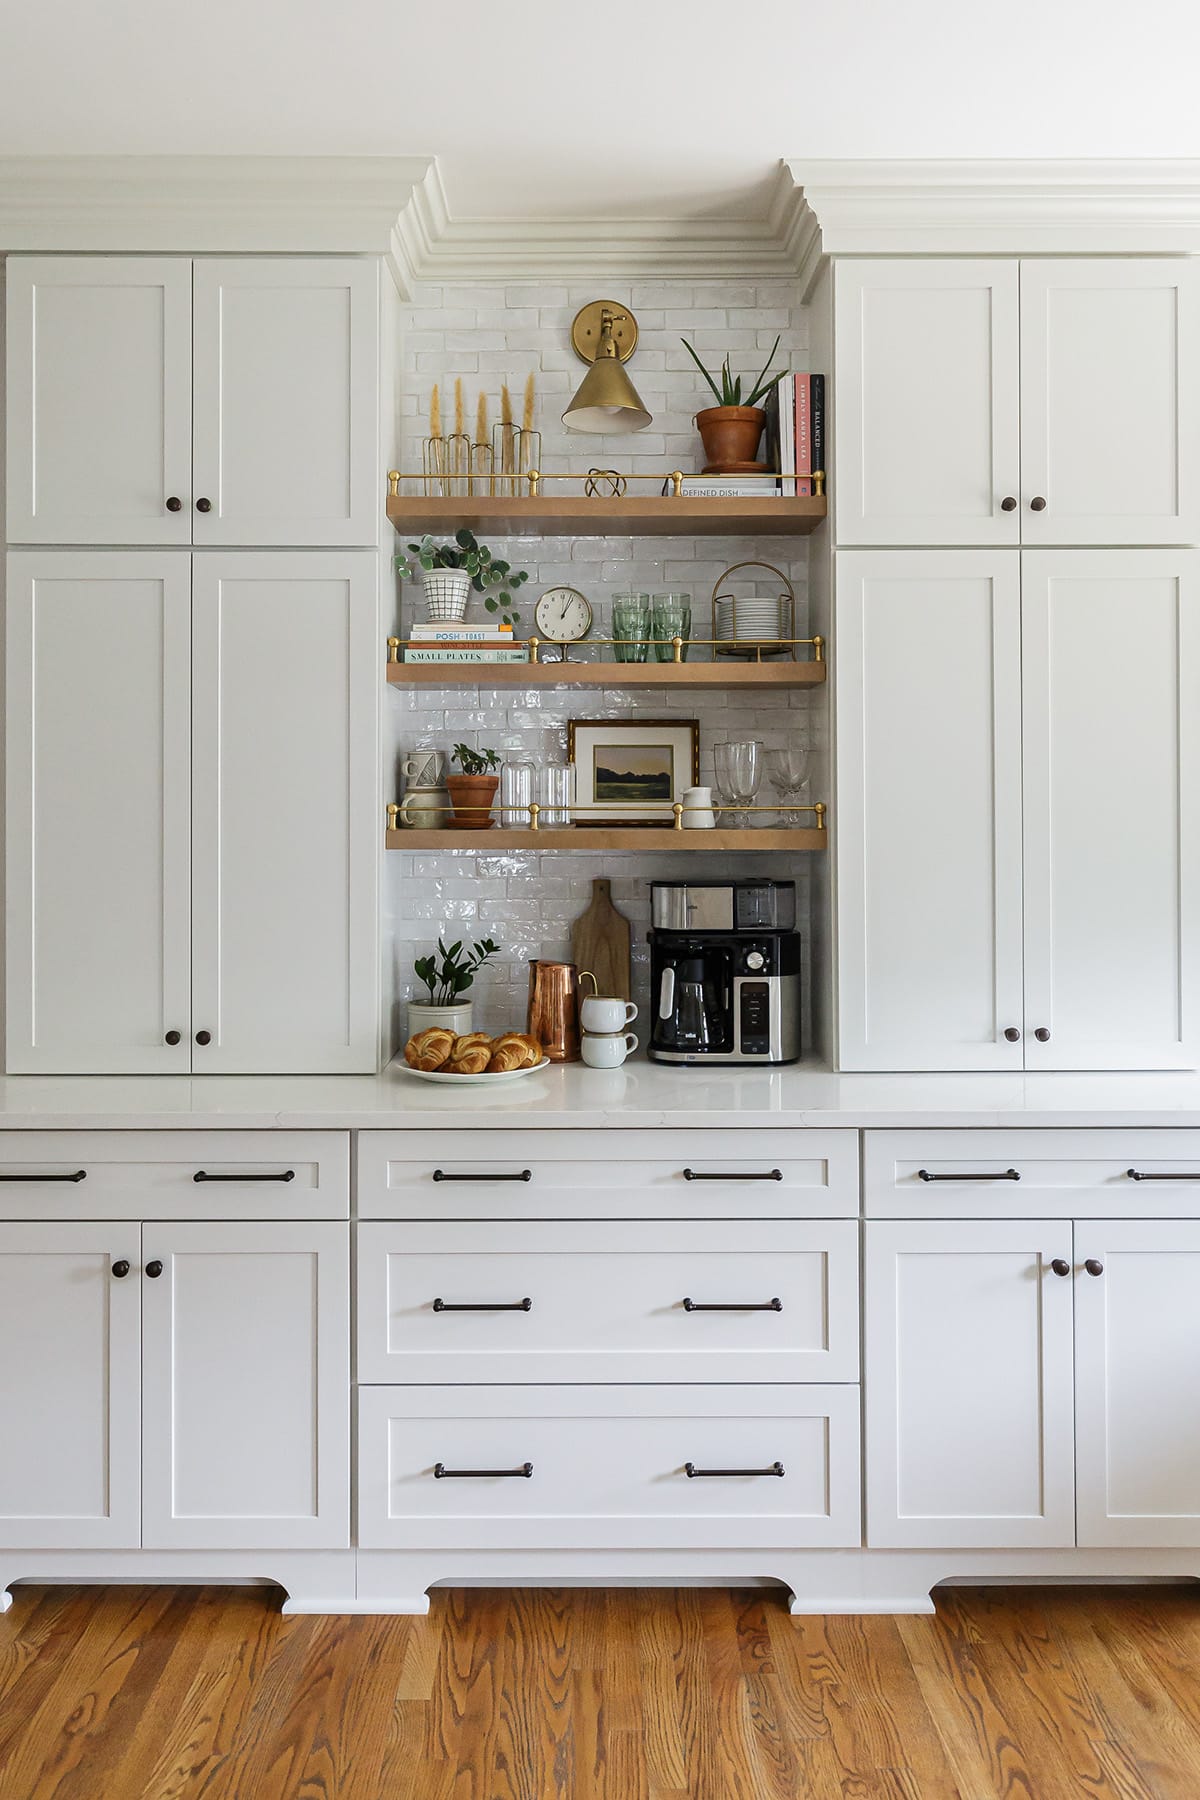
pixel 284 812
pixel 99 400
pixel 71 1401
pixel 928 814
pixel 99 801
pixel 1111 651
pixel 246 1353
pixel 927 440
pixel 1110 401
pixel 287 401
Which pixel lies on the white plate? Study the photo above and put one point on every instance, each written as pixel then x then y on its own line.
pixel 462 1080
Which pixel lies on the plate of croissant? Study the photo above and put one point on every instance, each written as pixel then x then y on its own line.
pixel 438 1055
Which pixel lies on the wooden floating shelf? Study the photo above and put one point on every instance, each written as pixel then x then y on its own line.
pixel 598 837
pixel 657 516
pixel 734 672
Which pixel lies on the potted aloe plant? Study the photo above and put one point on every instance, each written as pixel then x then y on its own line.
pixel 448 975
pixel 731 430
pixel 450 571
pixel 473 792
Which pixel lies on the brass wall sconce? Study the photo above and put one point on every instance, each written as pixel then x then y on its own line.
pixel 605 334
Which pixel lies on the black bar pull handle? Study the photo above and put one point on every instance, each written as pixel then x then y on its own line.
pixel 79 1175
pixel 724 1175
pixel 283 1175
pixel 693 1473
pixel 525 1305
pixel 775 1305
pixel 992 1175
pixel 442 1473
pixel 1147 1175
pixel 521 1175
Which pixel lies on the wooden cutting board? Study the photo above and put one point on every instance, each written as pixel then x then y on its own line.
pixel 600 941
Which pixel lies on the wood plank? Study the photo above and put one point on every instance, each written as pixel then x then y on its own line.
pixel 595 838
pixel 630 516
pixel 734 672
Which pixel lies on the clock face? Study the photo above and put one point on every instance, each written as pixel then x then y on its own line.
pixel 563 615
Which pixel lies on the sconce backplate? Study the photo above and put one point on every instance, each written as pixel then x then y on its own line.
pixel 585 330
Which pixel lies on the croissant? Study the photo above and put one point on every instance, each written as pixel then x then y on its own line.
pixel 473 1061
pixel 529 1047
pixel 429 1049
pixel 506 1057
pixel 469 1041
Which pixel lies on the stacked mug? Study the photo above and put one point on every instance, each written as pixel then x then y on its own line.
pixel 426 802
pixel 606 1040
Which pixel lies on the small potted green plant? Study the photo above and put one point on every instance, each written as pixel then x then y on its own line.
pixel 450 571
pixel 473 792
pixel 448 975
pixel 730 430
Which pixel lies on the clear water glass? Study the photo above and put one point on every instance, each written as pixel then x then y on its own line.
pixel 670 618
pixel 631 620
pixel 787 771
pixel 516 795
pixel 554 795
pixel 739 772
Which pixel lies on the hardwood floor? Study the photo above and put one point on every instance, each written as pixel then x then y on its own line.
pixel 209 1694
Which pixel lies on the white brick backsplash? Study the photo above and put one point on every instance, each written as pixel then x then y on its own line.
pixel 527 900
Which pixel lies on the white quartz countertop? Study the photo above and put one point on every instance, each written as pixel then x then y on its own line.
pixel 639 1095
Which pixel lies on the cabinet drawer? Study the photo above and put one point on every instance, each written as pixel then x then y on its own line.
pixel 694 1174
pixel 155 1175
pixel 607 1467
pixel 585 1302
pixel 1032 1174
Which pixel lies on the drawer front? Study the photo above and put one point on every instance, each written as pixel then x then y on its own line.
pixel 174 1175
pixel 607 1467
pixel 1104 1174
pixel 584 1302
pixel 693 1174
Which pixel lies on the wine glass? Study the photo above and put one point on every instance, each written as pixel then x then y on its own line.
pixel 787 771
pixel 738 769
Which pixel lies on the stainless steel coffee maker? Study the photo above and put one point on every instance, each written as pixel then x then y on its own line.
pixel 724 972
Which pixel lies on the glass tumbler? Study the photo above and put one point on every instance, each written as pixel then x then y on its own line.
pixel 631 620
pixel 554 796
pixel 739 775
pixel 516 795
pixel 670 618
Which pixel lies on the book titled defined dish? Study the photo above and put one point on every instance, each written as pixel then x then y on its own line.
pixel 466 653
pixel 727 487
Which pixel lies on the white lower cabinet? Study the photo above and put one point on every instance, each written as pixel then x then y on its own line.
pixel 608 1467
pixel 70 1405
pixel 967 1371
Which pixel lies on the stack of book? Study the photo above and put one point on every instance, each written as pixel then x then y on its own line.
pixel 438 643
pixel 795 410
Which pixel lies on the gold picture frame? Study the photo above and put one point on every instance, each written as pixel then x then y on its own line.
pixel 651 762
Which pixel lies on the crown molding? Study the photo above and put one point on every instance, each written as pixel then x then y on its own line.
pixel 198 204
pixel 1007 207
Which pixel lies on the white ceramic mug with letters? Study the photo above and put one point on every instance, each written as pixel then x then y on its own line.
pixel 423 768
pixel 604 1012
pixel 607 1050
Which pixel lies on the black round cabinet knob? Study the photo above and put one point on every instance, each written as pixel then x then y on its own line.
pixel 120 1269
pixel 173 1037
pixel 1008 504
pixel 174 503
pixel 1037 504
pixel 1013 1035
pixel 1061 1266
pixel 203 505
pixel 1042 1034
pixel 1094 1266
pixel 204 1037
pixel 154 1270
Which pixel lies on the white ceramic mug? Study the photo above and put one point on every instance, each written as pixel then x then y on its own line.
pixel 603 1012
pixel 607 1050
pixel 698 812
pixel 424 768
pixel 425 809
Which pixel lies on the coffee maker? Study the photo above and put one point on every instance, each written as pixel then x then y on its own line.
pixel 724 972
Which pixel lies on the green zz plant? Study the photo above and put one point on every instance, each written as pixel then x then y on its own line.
pixel 486 571
pixel 450 973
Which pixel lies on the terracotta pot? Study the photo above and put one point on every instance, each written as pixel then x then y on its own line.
pixel 730 434
pixel 471 797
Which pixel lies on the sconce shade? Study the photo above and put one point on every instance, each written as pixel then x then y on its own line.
pixel 606 399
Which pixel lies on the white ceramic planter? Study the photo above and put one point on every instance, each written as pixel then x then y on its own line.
pixel 446 593
pixel 423 1017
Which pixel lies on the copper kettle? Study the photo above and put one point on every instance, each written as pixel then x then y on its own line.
pixel 554 1009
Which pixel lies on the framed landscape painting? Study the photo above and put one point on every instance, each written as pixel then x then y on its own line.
pixel 631 774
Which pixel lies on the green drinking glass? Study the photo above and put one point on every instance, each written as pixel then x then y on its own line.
pixel 670 618
pixel 631 621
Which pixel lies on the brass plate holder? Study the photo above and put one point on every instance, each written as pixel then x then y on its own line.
pixel 585 330
pixel 757 647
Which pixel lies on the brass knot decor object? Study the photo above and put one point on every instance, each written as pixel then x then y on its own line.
pixel 607 482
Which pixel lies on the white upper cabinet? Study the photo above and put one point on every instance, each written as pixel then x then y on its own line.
pixel 287 401
pixel 157 400
pixel 928 815
pixel 1111 809
pixel 99 400
pixel 97 826
pixel 927 431
pixel 1110 401
pixel 284 812
pixel 983 401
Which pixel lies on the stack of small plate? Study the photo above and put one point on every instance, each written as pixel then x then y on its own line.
pixel 756 627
